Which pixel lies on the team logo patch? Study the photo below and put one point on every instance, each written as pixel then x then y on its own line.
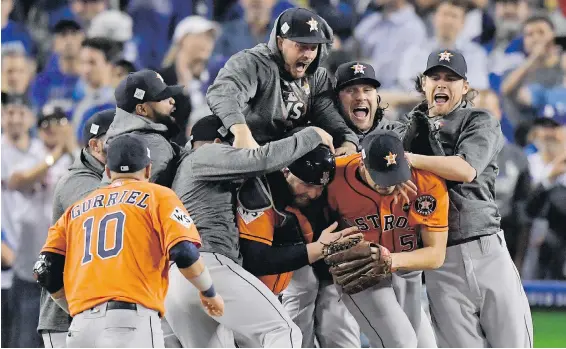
pixel 313 25
pixel 139 93
pixel 285 28
pixel 445 56
pixel 391 159
pixel 425 205
pixel 248 216
pixel 358 68
pixel 325 178
pixel 94 129
pixel 180 216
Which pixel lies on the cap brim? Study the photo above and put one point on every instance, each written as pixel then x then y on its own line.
pixel 440 65
pixel 311 40
pixel 168 92
pixel 391 178
pixel 359 81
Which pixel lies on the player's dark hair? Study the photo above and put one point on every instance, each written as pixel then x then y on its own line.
pixel 468 97
pixel 108 47
pixel 539 18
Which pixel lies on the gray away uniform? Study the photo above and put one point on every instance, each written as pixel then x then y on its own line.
pixel 254 88
pixel 83 177
pixel 476 297
pixel 164 154
pixel 205 184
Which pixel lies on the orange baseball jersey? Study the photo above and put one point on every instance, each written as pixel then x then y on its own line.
pixel 260 227
pixel 116 242
pixel 392 226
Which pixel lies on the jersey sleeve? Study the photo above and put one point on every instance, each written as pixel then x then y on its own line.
pixel 430 208
pixel 256 226
pixel 57 237
pixel 174 221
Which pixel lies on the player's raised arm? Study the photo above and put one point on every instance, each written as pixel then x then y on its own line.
pixel 234 163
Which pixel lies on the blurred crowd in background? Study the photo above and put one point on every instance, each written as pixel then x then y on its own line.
pixel 62 59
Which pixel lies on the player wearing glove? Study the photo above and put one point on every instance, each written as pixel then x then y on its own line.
pixel 398 238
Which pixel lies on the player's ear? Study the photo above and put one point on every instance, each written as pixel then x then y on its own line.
pixel 141 110
pixel 280 43
pixel 148 171
pixel 286 172
pixel 217 140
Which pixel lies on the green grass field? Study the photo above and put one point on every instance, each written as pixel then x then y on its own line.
pixel 549 328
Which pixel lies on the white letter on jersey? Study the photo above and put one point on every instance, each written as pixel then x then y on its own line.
pixel 247 216
pixel 182 217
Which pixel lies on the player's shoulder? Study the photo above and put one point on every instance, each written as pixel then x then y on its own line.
pixel 345 160
pixel 428 182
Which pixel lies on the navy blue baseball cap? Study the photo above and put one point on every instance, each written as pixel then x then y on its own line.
pixel 384 157
pixel 353 73
pixel 98 124
pixel 127 153
pixel 451 59
pixel 317 167
pixel 302 26
pixel 143 86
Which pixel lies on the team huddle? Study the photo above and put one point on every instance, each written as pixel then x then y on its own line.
pixel 296 216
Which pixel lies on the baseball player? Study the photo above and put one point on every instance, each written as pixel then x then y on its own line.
pixel 205 183
pixel 105 261
pixel 358 100
pixel 361 195
pixel 476 297
pixel 278 235
pixel 144 104
pixel 83 177
pixel 264 92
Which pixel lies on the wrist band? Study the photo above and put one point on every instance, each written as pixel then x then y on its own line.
pixel 203 282
pixel 210 292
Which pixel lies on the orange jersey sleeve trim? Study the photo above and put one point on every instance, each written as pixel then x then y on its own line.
pixel 437 229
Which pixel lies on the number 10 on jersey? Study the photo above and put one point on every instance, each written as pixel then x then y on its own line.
pixel 101 230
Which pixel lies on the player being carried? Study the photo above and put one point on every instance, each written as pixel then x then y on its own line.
pixel 361 195
pixel 111 251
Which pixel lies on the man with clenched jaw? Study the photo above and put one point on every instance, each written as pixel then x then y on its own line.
pixel 358 101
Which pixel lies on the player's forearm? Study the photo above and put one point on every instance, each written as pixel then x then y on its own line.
pixel 7 256
pixel 198 275
pixel 24 179
pixel 452 168
pixel 514 79
pixel 425 258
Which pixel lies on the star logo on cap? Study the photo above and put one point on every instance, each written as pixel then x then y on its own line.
pixel 391 159
pixel 445 56
pixel 358 68
pixel 160 77
pixel 314 24
pixel 325 178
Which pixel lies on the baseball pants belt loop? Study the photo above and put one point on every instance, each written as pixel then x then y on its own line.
pixel 463 241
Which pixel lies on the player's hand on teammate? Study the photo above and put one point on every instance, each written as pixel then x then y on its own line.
pixel 326 138
pixel 403 191
pixel 214 306
pixel 347 148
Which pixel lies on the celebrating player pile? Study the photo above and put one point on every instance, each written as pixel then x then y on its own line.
pixel 303 240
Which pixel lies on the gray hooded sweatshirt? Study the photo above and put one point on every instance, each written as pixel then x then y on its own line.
pixel 83 178
pixel 254 88
pixel 163 153
pixel 205 184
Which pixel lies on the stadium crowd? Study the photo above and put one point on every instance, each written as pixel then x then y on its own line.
pixel 63 59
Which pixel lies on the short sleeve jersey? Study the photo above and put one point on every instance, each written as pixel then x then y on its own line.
pixel 395 227
pixel 116 242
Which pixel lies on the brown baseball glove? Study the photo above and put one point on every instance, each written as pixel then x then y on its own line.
pixel 354 266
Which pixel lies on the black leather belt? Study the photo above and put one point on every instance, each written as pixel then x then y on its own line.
pixel 112 305
pixel 463 241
